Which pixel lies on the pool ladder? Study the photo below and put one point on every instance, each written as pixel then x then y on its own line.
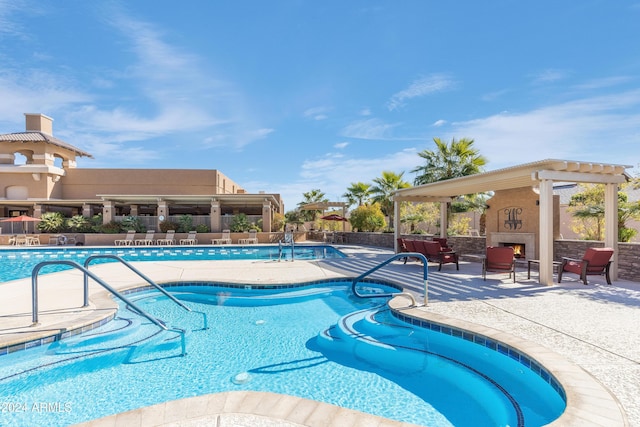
pixel 87 274
pixel 288 239
pixel 425 275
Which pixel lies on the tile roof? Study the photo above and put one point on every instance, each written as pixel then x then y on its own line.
pixel 34 136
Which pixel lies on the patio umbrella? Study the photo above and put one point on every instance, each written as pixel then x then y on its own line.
pixel 24 219
pixel 334 217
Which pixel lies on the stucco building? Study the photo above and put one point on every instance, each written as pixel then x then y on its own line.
pixel 49 180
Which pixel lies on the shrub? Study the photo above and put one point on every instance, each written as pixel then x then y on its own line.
pixel 168 225
pixel 240 223
pixel 79 224
pixel 132 223
pixel 202 228
pixel 367 218
pixel 52 222
pixel 112 227
pixel 186 223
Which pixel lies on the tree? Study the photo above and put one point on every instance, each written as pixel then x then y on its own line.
pixel 588 207
pixel 447 161
pixel 367 218
pixel 358 193
pixel 313 196
pixel 384 188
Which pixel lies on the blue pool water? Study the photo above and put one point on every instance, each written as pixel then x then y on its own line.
pixel 18 263
pixel 318 342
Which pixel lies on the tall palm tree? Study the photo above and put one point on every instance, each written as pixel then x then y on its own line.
pixel 313 196
pixel 447 161
pixel 384 188
pixel 358 193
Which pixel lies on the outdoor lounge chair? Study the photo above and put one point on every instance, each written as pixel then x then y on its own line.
pixel 224 240
pixel 148 239
pixel 434 253
pixel 168 238
pixel 190 239
pixel 128 240
pixel 252 239
pixel 499 259
pixel 596 261
pixel 444 246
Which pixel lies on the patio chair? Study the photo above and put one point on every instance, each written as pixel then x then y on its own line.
pixel 596 261
pixel 190 239
pixel 499 259
pixel 128 240
pixel 444 246
pixel 168 238
pixel 434 253
pixel 148 238
pixel 252 239
pixel 224 240
pixel 410 245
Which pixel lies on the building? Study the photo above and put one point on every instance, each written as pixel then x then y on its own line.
pixel 49 181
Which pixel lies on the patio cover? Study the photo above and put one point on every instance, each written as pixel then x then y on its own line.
pixel 541 174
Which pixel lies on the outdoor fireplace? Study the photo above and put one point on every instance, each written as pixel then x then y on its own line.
pixel 518 249
pixel 522 243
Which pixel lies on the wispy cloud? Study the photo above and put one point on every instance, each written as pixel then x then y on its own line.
pixel 549 76
pixel 421 87
pixel 439 123
pixel 368 129
pixel 341 145
pixel 588 127
pixel 317 113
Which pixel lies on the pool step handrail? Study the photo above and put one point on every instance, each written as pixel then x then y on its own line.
pixel 141 312
pixel 90 258
pixel 425 275
pixel 288 239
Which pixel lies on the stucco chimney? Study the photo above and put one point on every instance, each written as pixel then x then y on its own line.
pixel 36 122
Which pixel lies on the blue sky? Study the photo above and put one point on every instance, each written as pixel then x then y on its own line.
pixel 288 96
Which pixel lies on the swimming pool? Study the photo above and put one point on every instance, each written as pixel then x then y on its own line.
pixel 351 352
pixel 18 263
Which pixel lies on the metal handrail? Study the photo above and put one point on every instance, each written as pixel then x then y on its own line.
pixel 425 268
pixel 139 273
pixel 34 297
pixel 288 238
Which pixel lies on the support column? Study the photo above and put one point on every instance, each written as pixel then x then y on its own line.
pixel 107 211
pixel 215 216
pixel 611 225
pixel 133 210
pixel 444 224
pixel 396 225
pixel 37 211
pixel 546 232
pixel 266 216
pixel 86 210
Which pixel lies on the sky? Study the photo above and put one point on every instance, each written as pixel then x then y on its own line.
pixel 288 96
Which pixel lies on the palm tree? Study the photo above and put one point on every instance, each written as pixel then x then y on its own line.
pixel 447 161
pixel 358 193
pixel 384 188
pixel 313 196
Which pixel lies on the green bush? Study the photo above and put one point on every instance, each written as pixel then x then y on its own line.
pixel 52 222
pixel 132 223
pixel 202 228
pixel 186 223
pixel 168 225
pixel 79 224
pixel 367 218
pixel 112 227
pixel 240 223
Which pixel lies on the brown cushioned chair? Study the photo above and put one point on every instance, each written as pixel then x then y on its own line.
pixel 499 259
pixel 596 261
pixel 433 252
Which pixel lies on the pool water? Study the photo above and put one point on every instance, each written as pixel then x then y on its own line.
pixel 18 263
pixel 317 342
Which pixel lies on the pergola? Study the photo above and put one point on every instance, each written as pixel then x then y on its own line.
pixel 323 206
pixel 541 175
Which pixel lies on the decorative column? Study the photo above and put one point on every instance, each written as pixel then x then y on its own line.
pixel 546 232
pixel 133 210
pixel 215 216
pixel 611 225
pixel 162 212
pixel 86 210
pixel 107 211
pixel 37 211
pixel 266 216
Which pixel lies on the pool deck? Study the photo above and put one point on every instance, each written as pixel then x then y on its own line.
pixel 586 336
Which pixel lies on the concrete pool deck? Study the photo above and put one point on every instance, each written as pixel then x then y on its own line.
pixel 588 336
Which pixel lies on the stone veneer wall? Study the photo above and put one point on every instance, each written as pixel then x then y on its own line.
pixel 628 253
